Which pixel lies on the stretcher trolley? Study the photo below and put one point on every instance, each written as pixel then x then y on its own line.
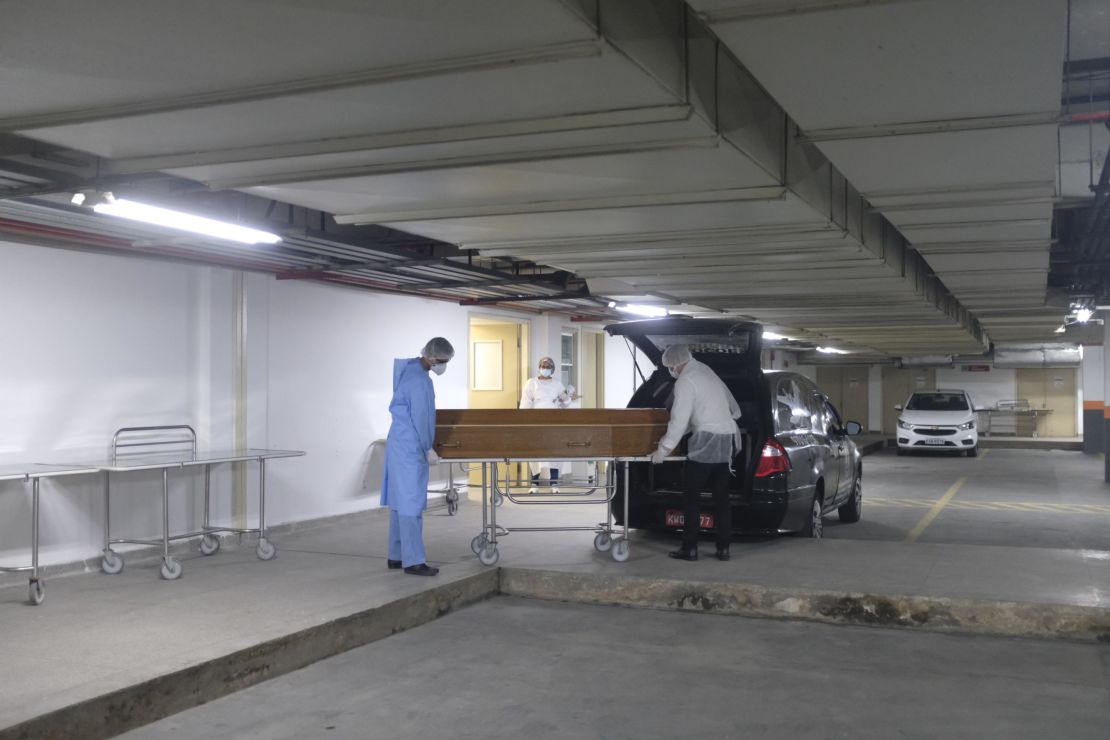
pixel 167 448
pixel 450 491
pixel 602 491
pixel 32 473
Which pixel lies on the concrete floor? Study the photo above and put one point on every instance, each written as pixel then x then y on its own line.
pixel 99 633
pixel 1008 498
pixel 514 668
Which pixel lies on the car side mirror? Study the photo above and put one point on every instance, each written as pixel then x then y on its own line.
pixel 853 428
pixel 897 407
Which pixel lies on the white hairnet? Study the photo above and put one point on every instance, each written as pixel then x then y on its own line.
pixel 676 355
pixel 438 348
pixel 547 360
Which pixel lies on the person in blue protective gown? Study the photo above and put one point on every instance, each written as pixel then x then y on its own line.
pixel 409 452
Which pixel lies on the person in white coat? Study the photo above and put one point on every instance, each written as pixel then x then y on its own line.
pixel 704 407
pixel 545 391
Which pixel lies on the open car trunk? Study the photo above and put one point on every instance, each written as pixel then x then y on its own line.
pixel 732 349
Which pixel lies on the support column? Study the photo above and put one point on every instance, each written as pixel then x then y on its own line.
pixel 1105 408
pixel 1093 381
pixel 875 398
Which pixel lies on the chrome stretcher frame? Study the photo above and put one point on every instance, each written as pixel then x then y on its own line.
pixel 175 447
pixel 32 473
pixel 484 544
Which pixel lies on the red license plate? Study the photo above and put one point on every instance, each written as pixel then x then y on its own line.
pixel 675 518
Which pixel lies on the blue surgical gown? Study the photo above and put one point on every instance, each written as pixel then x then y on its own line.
pixel 411 434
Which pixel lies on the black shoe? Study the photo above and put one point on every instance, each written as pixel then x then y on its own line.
pixel 393 564
pixel 421 570
pixel 722 553
pixel 684 554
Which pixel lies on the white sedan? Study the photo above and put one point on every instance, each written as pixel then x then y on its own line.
pixel 938 420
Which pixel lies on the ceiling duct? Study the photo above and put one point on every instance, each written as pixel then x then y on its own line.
pixel 1048 355
pixel 927 361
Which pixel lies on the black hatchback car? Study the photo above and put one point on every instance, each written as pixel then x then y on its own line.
pixel 805 465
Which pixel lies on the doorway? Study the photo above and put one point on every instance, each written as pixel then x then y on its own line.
pixel 497 373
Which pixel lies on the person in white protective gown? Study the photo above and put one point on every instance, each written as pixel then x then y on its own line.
pixel 409 452
pixel 545 391
pixel 704 407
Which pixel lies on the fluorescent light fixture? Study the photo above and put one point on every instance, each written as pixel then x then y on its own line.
pixel 1060 329
pixel 832 351
pixel 1083 315
pixel 149 214
pixel 612 304
pixel 651 312
pixel 775 336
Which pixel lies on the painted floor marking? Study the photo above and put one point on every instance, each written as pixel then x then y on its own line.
pixel 934 511
pixel 1028 506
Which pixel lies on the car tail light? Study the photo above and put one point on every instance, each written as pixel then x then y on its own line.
pixel 772 460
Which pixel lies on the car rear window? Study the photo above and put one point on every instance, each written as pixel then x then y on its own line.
pixel 937 402
pixel 700 344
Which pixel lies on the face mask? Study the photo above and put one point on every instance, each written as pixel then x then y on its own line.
pixel 439 369
pixel 546 372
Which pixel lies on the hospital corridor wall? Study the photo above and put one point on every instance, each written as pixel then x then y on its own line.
pixel 97 342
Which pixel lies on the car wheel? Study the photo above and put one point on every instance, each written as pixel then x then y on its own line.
pixel 973 452
pixel 851 511
pixel 815 527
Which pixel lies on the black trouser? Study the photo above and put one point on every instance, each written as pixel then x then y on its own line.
pixel 696 477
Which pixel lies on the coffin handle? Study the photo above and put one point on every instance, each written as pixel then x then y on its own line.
pixel 579 444
pixel 450 445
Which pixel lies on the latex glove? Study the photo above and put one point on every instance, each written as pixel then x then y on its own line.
pixel 658 456
pixel 432 457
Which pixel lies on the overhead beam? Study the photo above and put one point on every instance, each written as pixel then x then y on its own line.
pixel 745 11
pixel 449 163
pixel 418 137
pixel 649 200
pixel 285 88
pixel 916 128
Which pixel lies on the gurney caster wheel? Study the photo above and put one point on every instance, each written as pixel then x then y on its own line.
pixel 111 563
pixel 498 499
pixel 36 592
pixel 265 549
pixel 452 504
pixel 602 542
pixel 171 569
pixel 209 545
pixel 489 554
pixel 621 550
pixel 478 543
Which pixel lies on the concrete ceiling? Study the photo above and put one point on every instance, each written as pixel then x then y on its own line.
pixel 880 174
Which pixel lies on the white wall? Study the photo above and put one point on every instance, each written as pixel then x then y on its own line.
pixel 985 388
pixel 95 342
pixel 91 343
pixel 330 381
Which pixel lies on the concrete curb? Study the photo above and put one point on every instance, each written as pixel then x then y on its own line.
pixel 125 709
pixel 999 618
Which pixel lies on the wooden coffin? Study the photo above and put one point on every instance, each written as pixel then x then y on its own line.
pixel 548 434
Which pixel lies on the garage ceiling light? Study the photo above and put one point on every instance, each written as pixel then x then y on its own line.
pixel 651 312
pixel 1083 315
pixel 832 351
pixel 170 219
pixel 776 337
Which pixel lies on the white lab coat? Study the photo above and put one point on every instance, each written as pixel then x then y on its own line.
pixel 544 394
pixel 704 405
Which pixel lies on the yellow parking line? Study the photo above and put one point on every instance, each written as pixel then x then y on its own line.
pixel 932 513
